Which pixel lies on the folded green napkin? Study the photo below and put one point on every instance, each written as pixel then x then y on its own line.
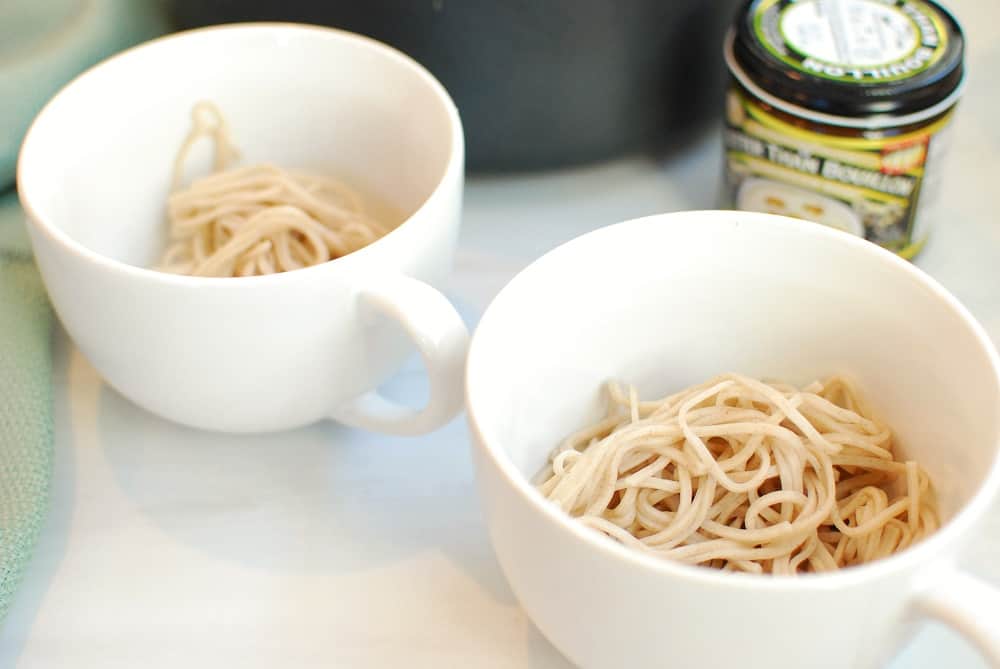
pixel 25 401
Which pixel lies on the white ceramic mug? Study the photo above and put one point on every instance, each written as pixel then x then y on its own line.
pixel 256 353
pixel 671 300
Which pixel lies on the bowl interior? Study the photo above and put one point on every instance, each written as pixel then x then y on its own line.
pixel 670 301
pixel 98 161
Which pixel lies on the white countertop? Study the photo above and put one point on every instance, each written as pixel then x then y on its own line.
pixel 327 547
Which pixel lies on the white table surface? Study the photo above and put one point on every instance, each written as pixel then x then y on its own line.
pixel 327 547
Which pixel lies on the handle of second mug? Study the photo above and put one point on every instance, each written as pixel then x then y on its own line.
pixel 441 338
pixel 969 605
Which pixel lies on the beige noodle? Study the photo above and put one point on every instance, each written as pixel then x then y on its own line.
pixel 259 219
pixel 744 475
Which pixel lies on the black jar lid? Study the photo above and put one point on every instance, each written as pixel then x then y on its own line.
pixel 850 58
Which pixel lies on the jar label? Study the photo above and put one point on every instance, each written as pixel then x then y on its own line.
pixel 869 186
pixel 862 41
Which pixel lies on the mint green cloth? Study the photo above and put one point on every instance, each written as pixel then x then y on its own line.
pixel 25 401
pixel 42 46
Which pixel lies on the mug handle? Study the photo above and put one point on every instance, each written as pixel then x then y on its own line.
pixel 441 338
pixel 969 605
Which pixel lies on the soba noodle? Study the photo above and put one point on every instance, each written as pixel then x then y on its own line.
pixel 259 219
pixel 744 475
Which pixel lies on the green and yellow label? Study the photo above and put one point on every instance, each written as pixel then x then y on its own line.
pixel 871 185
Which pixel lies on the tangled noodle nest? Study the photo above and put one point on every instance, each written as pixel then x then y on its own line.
pixel 259 219
pixel 744 475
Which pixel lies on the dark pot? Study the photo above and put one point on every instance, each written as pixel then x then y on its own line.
pixel 541 83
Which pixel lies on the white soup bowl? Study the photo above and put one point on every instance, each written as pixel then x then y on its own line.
pixel 257 353
pixel 669 301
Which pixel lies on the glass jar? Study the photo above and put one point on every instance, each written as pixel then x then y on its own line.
pixel 838 112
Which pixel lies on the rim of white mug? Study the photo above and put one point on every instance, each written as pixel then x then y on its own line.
pixel 912 556
pixel 455 161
